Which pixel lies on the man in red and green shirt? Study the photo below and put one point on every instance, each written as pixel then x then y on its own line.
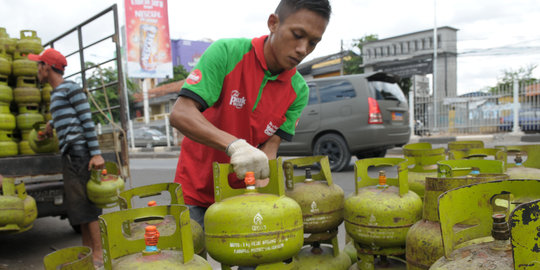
pixel 243 97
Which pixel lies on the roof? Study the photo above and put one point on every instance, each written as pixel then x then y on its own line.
pixel 161 90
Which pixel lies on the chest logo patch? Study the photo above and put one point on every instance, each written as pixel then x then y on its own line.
pixel 194 77
pixel 236 100
pixel 270 129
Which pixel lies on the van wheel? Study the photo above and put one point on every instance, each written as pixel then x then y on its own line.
pixel 335 147
pixel 374 154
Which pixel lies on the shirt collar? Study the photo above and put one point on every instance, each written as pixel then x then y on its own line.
pixel 258 44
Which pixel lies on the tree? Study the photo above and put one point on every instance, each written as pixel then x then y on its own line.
pixel 98 79
pixel 355 60
pixel 522 75
pixel 179 73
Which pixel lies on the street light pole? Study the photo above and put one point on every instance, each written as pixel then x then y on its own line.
pixel 435 45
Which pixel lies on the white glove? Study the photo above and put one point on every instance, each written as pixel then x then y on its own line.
pixel 246 158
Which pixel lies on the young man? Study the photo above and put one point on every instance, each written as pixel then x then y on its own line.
pixel 243 97
pixel 72 120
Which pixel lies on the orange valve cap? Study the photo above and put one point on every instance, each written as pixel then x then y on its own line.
pixel 152 203
pixel 382 179
pixel 250 179
pixel 151 235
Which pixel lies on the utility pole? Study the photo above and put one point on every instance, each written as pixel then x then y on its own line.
pixel 341 59
pixel 435 45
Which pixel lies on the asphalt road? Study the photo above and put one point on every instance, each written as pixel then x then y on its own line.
pixel 25 251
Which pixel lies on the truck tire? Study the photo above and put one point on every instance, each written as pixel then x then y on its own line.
pixel 335 147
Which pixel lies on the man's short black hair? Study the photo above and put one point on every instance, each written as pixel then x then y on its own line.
pixel 61 72
pixel 288 7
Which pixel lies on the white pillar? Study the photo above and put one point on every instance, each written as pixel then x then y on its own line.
pixel 167 133
pixel 132 139
pixel 516 129
pixel 145 101
pixel 411 110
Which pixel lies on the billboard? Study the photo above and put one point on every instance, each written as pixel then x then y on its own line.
pixel 148 42
pixel 187 53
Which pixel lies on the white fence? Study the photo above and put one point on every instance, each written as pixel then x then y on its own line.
pixel 479 112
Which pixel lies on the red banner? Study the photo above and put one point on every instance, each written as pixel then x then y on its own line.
pixel 148 41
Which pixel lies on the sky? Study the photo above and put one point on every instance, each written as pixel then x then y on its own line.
pixel 494 35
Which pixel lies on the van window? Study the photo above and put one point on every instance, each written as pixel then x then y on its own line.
pixel 386 91
pixel 335 90
pixel 313 98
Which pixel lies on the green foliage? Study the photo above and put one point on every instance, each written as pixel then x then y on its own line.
pixel 99 78
pixel 506 82
pixel 179 73
pixel 352 65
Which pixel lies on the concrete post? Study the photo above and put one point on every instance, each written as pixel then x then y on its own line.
pixel 516 129
pixel 167 133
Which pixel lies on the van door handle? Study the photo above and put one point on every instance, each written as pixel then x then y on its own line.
pixel 313 112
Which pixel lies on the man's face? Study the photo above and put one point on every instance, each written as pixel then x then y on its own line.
pixel 293 39
pixel 42 72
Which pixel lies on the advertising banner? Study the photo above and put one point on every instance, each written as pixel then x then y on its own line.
pixel 148 42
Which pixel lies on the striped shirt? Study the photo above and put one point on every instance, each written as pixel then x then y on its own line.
pixel 72 119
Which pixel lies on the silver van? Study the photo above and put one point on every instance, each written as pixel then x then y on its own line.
pixel 361 115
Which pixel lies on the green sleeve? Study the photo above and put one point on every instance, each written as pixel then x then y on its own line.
pixel 294 111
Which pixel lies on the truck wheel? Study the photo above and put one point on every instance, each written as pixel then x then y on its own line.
pixel 335 147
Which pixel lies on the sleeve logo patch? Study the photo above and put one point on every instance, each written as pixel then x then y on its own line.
pixel 194 77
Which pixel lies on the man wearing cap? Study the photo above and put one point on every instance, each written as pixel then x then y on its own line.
pixel 72 120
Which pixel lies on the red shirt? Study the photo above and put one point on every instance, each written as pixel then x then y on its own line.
pixel 240 96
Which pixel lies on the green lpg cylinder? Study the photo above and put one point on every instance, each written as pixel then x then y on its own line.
pixel 6 93
pixel 8 146
pixel 382 263
pixel 7 121
pixel 136 229
pixel 46 90
pixel 463 167
pixel 28 116
pixel 5 63
pixel 29 42
pixel 379 215
pixel 486 220
pixel 496 254
pixel 11 207
pixel 30 208
pixel 21 66
pixel 425 159
pixel 523 232
pixel 322 257
pixel 523 169
pixel 26 91
pixel 250 227
pixel 319 198
pixel 71 258
pixel 156 251
pixel 105 185
pixel 40 142
pixel 424 242
pixel 10 44
pixel 465 145
pixel 477 153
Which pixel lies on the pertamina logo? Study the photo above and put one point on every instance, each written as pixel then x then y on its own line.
pixel 236 100
pixel 258 223
pixel 270 129
pixel 194 77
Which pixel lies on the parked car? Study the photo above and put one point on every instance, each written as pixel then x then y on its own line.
pixel 361 115
pixel 529 121
pixel 148 137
